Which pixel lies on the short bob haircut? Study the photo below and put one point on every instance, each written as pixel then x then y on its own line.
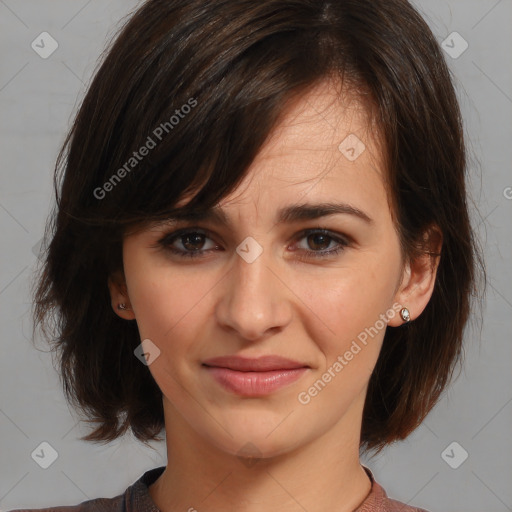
pixel 201 85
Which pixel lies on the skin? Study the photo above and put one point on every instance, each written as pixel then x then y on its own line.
pixel 308 310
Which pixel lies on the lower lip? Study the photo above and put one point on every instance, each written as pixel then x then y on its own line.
pixel 254 383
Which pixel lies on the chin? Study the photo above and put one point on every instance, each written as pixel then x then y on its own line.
pixel 254 436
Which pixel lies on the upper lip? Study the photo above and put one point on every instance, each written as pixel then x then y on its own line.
pixel 260 364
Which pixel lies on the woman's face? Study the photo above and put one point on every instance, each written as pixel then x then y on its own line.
pixel 273 275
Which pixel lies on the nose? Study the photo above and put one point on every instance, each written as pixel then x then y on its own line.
pixel 254 301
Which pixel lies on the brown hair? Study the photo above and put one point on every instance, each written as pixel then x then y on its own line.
pixel 213 78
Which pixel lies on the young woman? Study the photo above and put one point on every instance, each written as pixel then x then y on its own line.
pixel 261 246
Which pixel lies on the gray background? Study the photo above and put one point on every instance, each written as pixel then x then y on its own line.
pixel 37 99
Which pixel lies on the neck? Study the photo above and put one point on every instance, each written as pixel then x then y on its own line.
pixel 324 474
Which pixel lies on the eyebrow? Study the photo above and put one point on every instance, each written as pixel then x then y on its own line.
pixel 288 214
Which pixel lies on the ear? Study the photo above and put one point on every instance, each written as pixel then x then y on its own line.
pixel 119 295
pixel 419 277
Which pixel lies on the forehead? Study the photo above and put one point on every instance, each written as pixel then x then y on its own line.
pixel 323 145
pixel 322 114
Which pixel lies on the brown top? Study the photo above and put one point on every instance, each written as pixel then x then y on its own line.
pixel 137 499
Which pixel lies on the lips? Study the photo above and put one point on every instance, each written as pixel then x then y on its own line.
pixel 254 377
pixel 260 364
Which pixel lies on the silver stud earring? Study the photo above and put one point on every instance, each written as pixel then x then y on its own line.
pixel 406 316
pixel 122 306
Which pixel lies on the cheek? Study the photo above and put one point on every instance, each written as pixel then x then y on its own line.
pixel 348 331
pixel 169 305
pixel 167 301
pixel 345 307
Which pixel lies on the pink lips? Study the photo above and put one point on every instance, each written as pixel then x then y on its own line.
pixel 254 377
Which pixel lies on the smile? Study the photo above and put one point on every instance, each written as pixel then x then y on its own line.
pixel 254 377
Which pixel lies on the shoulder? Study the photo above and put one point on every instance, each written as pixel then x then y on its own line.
pixel 379 501
pixel 393 505
pixel 135 498
pixel 116 504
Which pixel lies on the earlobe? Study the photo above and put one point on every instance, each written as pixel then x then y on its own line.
pixel 418 280
pixel 401 306
pixel 405 315
pixel 120 300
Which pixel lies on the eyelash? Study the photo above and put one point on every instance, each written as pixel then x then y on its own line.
pixel 166 243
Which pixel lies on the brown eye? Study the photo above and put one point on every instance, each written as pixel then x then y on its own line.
pixel 188 243
pixel 319 241
pixel 193 241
